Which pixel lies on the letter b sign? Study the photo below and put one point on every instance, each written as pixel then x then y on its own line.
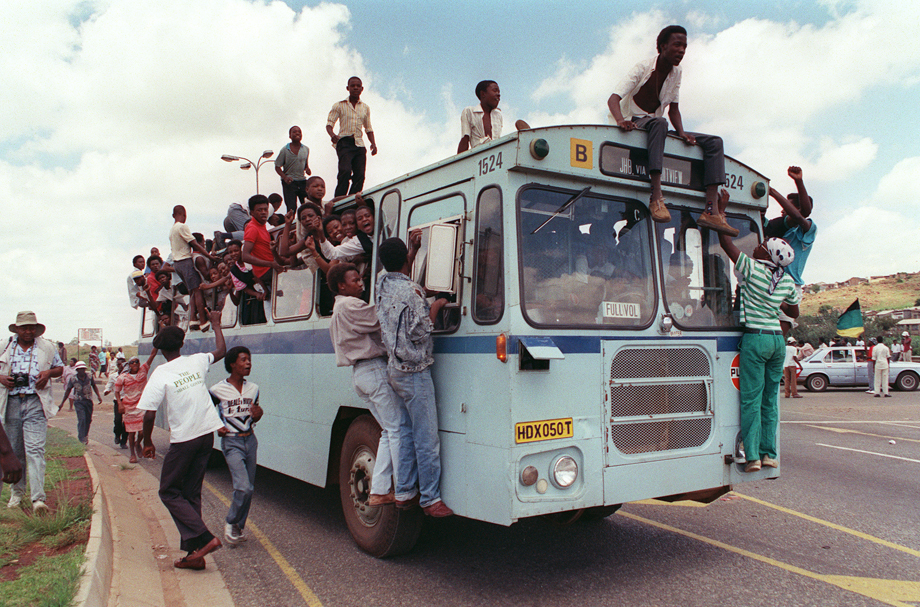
pixel 581 153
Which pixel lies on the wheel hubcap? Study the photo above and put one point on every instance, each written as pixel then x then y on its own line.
pixel 362 469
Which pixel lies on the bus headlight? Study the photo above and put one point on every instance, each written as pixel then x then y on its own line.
pixel 539 149
pixel 565 471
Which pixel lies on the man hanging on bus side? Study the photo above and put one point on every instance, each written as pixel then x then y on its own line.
pixel 638 102
pixel 765 289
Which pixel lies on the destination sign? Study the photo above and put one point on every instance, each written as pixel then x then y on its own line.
pixel 632 163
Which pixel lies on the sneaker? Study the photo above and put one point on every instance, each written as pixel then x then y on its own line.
pixel 438 510
pixel 754 466
pixel 716 222
pixel 39 507
pixel 769 462
pixel 239 533
pixel 230 534
pixel 659 211
pixel 14 502
pixel 870 391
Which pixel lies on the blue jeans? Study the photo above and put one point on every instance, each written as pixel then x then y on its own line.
pixel 84 418
pixel 420 447
pixel 372 384
pixel 240 453
pixel 26 427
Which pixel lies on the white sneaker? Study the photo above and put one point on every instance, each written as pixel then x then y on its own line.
pixel 240 536
pixel 14 502
pixel 231 537
pixel 39 507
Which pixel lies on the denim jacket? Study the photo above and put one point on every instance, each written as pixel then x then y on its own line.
pixel 405 322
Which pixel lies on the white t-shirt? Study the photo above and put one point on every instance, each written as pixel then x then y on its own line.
pixel 791 351
pixel 189 409
pixel 179 237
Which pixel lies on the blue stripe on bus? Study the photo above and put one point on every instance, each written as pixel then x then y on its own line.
pixel 318 341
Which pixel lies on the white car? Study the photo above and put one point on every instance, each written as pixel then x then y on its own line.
pixel 846 366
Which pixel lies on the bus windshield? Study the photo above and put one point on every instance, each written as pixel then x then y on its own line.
pixel 699 283
pixel 586 259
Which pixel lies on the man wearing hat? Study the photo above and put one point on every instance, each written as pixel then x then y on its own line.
pixel 180 381
pixel 83 386
pixel 27 363
pixel 790 365
pixel 906 351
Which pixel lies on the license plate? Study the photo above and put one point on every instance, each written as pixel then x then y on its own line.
pixel 547 429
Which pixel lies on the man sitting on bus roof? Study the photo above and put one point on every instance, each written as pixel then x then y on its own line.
pixel 638 102
pixel 481 123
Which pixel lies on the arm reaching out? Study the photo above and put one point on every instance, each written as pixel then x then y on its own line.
pixel 804 201
pixel 728 245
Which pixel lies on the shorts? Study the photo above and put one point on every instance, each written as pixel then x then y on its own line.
pixel 783 318
pixel 187 272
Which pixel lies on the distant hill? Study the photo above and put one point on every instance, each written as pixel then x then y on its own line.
pixel 884 293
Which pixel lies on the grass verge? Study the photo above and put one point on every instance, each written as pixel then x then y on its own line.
pixel 40 556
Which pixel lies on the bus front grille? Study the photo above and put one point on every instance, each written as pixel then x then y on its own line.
pixel 659 399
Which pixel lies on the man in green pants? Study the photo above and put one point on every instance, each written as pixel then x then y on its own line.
pixel 765 290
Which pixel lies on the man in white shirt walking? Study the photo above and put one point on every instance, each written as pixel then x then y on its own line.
pixel 180 381
pixel 881 354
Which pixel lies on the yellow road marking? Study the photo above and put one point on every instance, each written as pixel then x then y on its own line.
pixel 682 503
pixel 890 592
pixel 311 599
pixel 853 532
pixel 846 431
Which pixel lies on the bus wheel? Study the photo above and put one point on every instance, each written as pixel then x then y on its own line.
pixel 564 519
pixel 599 512
pixel 379 531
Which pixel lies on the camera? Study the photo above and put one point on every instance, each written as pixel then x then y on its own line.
pixel 20 380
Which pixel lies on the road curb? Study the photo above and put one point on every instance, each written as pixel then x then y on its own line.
pixel 96 575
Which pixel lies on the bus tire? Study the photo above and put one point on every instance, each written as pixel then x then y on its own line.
pixel 380 531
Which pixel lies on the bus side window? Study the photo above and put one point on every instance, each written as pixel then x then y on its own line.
pixel 489 283
pixel 294 292
pixel 446 211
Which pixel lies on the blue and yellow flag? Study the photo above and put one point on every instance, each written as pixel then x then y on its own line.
pixel 850 323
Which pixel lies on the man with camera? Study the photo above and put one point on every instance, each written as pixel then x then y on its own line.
pixel 27 364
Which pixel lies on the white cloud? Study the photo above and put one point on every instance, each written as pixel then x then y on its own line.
pixel 116 111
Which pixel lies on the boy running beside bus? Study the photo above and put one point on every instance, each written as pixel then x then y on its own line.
pixel 765 289
pixel 237 402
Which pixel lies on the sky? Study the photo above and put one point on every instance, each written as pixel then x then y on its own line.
pixel 116 110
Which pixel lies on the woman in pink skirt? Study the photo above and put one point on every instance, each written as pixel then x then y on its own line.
pixel 128 389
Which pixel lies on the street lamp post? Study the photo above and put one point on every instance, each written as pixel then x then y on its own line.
pixel 248 163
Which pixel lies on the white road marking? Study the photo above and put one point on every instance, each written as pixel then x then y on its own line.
pixel 906 459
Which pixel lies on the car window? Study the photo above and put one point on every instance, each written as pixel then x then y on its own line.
pixel 842 356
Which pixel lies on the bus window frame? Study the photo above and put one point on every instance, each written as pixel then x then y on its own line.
pixel 758 230
pixel 381 213
pixel 314 304
pixel 458 254
pixel 475 282
pixel 144 322
pixel 654 273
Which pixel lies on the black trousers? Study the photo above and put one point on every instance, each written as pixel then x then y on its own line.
pixel 352 163
pixel 121 435
pixel 180 489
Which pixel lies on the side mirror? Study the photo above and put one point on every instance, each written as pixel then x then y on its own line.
pixel 440 270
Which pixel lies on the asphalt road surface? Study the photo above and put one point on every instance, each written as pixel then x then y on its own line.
pixel 840 527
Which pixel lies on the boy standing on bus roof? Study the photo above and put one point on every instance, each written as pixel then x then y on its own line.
pixel 356 338
pixel 180 381
pixel 481 123
pixel 182 243
pixel 237 402
pixel 638 102
pixel 354 117
pixel 765 289
pixel 406 322
pixel 292 163
pixel 797 229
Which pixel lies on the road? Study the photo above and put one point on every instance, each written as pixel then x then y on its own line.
pixel 838 528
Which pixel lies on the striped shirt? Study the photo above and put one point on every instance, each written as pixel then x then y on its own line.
pixel 351 119
pixel 234 406
pixel 759 309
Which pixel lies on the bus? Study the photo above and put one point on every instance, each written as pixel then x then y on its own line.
pixel 588 356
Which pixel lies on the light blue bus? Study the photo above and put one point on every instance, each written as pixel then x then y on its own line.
pixel 588 356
